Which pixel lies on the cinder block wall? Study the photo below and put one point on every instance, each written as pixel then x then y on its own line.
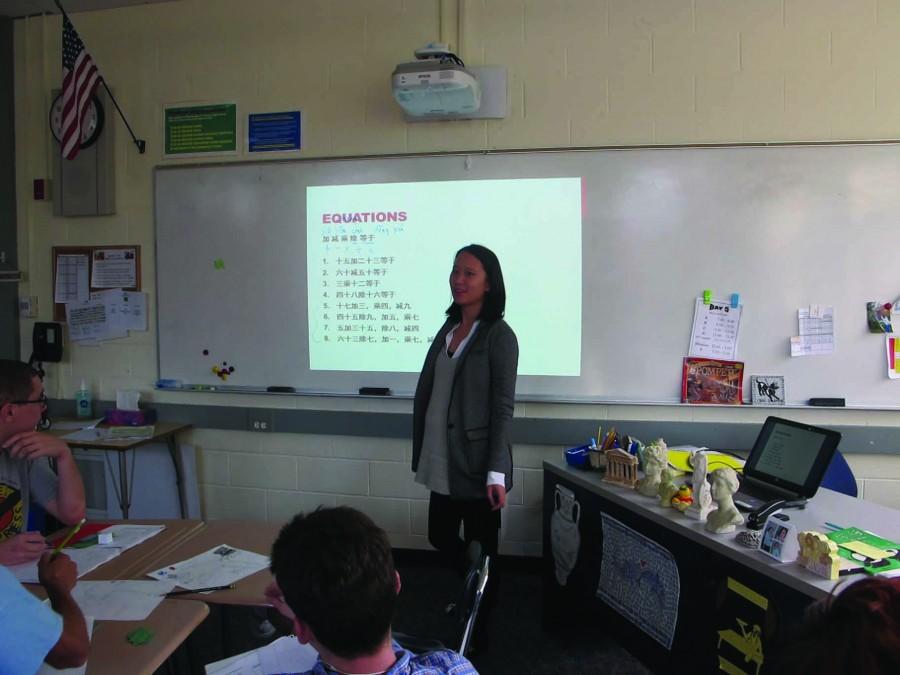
pixel 581 73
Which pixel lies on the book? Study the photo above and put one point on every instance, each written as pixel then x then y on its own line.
pixel 874 554
pixel 712 381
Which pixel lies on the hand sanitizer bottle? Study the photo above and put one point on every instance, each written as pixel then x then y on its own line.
pixel 83 401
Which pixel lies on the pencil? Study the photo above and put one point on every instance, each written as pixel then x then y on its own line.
pixel 61 545
pixel 172 594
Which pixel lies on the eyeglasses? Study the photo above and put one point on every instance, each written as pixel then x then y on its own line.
pixel 42 401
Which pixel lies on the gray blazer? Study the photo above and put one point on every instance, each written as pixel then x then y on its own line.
pixel 481 407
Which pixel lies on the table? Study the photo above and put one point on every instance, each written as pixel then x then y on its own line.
pixel 248 535
pixel 164 432
pixel 171 623
pixel 128 564
pixel 729 602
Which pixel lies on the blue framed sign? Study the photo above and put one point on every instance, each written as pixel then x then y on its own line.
pixel 274 132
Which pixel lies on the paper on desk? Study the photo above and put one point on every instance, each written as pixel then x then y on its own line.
pixel 284 655
pixel 126 536
pixel 91 557
pixel 47 669
pixel 76 424
pixel 120 600
pixel 85 560
pixel 242 664
pixel 87 434
pixel 219 566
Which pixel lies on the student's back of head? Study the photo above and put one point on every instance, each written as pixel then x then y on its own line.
pixel 336 571
pixel 855 631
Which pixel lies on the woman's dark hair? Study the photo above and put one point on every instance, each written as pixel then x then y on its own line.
pixel 855 631
pixel 494 305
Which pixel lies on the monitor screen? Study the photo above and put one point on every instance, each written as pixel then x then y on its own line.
pixel 792 455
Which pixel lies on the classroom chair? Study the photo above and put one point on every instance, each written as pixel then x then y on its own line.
pixel 465 610
pixel 839 476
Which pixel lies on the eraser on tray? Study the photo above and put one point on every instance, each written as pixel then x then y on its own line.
pixel 105 538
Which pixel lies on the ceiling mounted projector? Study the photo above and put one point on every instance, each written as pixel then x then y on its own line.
pixel 436 85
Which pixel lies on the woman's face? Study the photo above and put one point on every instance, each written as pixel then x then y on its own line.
pixel 468 280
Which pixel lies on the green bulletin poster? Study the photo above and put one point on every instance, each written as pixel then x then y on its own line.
pixel 201 129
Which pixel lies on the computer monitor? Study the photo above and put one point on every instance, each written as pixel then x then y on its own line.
pixel 791 456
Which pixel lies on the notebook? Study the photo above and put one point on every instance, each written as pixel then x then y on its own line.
pixel 787 462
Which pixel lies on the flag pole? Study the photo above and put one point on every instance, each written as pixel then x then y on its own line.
pixel 139 142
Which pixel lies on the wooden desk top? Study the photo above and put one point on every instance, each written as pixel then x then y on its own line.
pixel 248 535
pixel 171 623
pixel 161 432
pixel 132 561
pixel 826 506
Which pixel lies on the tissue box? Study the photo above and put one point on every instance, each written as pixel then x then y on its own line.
pixel 129 418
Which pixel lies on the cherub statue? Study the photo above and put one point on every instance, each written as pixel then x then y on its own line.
pixel 667 488
pixel 656 456
pixel 702 504
pixel 726 517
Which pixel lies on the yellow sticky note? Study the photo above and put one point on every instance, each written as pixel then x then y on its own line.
pixel 865 549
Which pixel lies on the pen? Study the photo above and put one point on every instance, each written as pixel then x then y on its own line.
pixel 172 594
pixel 61 545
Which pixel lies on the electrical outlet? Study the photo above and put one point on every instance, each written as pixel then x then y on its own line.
pixel 28 307
pixel 259 420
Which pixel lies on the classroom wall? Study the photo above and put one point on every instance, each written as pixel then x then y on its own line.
pixel 581 73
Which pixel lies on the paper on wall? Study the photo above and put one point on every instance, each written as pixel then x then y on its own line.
pixel 816 337
pixel 715 331
pixel 71 278
pixel 892 345
pixel 114 268
pixel 90 321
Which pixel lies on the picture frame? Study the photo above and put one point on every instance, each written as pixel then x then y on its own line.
pixel 767 390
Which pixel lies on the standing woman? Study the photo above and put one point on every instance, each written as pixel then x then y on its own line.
pixel 463 410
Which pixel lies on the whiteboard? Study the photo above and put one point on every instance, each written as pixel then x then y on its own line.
pixel 784 226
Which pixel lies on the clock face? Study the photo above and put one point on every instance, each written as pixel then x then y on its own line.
pixel 93 120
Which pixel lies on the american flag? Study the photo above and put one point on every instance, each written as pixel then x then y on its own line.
pixel 80 80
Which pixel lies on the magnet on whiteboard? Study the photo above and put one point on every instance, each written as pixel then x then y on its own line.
pixel 735 300
pixel 707 296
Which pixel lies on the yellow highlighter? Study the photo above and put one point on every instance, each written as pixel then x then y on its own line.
pixel 61 545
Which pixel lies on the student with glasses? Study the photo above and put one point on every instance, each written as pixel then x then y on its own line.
pixel 25 472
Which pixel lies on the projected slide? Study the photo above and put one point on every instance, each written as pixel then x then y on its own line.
pixel 379 259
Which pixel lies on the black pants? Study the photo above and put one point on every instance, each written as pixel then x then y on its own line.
pixel 479 524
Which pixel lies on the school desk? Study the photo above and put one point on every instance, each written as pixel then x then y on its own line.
pixel 164 432
pixel 171 623
pixel 729 601
pixel 126 565
pixel 244 534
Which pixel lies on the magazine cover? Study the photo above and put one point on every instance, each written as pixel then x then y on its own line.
pixel 712 381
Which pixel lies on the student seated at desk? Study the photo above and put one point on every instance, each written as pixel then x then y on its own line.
pixel 335 581
pixel 25 473
pixel 855 631
pixel 31 631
